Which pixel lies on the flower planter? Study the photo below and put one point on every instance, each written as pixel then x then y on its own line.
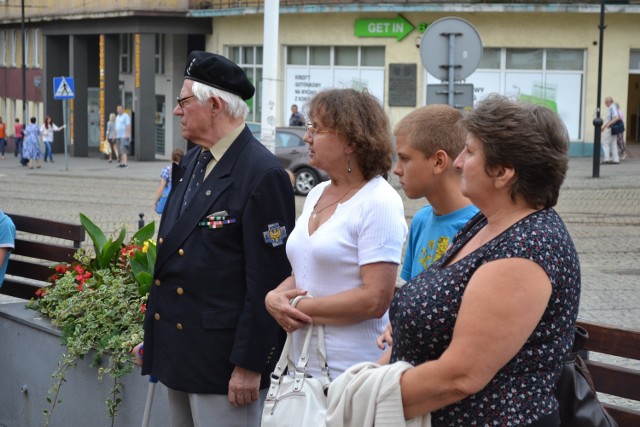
pixel 29 354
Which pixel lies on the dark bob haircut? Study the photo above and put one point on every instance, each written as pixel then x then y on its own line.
pixel 530 138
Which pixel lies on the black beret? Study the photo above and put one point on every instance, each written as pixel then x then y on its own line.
pixel 219 72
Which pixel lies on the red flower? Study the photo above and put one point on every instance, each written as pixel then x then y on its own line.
pixel 78 268
pixel 143 308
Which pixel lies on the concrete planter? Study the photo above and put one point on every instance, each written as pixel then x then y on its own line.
pixel 29 352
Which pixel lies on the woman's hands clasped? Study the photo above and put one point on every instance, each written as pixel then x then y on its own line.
pixel 278 303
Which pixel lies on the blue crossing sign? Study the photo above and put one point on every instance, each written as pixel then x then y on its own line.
pixel 63 88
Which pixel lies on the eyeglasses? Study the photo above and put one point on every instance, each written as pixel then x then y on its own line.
pixel 313 131
pixel 181 101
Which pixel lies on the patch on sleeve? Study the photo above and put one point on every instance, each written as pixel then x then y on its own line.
pixel 275 234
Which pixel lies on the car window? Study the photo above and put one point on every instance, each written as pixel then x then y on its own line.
pixel 288 140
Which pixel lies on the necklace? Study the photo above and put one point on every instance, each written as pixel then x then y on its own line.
pixel 315 213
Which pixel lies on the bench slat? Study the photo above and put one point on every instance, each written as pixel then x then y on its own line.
pixel 28 269
pixel 612 340
pixel 615 380
pixel 45 227
pixel 624 417
pixel 18 289
pixel 44 251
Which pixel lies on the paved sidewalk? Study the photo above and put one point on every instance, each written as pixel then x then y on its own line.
pixel 602 214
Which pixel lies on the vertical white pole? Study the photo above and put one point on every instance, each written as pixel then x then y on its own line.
pixel 270 73
pixel 65 116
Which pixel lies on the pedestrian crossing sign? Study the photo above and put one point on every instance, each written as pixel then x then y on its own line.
pixel 63 88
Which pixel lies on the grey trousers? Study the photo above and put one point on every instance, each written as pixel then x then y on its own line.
pixel 212 410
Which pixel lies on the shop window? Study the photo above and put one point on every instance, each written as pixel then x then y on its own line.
pixel 27 36
pixel 524 59
pixel 159 53
pixel 565 59
pixel 634 61
pixel 346 55
pixel 36 48
pixel 310 69
pixel 490 59
pixel 250 59
pixel 3 48
pixel 125 53
pixel 319 55
pixel 551 77
pixel 372 56
pixel 14 48
pixel 297 55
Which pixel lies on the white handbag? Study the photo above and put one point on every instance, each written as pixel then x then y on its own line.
pixel 295 399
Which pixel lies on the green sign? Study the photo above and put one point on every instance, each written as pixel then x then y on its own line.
pixel 395 27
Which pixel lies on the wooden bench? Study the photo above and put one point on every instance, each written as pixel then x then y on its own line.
pixel 40 243
pixel 616 377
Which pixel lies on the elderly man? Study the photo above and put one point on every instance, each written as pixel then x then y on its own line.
pixel 221 248
pixel 609 141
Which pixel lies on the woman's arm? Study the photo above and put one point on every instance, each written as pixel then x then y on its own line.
pixel 368 301
pixel 163 183
pixel 502 305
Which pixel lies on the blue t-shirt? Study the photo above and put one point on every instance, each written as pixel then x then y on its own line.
pixel 430 236
pixel 7 241
pixel 122 121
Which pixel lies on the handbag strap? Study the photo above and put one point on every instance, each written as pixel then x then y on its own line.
pixel 322 350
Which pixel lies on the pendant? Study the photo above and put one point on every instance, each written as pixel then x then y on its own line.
pixel 314 216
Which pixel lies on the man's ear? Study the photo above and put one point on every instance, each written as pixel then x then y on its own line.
pixel 216 103
pixel 441 161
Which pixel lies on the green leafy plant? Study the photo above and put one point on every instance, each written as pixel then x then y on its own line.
pixel 98 302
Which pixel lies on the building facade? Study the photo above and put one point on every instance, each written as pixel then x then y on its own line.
pixel 537 50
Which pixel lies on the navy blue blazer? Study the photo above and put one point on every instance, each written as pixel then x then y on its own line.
pixel 206 311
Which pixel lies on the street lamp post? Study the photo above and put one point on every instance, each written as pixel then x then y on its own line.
pixel 24 68
pixel 597 122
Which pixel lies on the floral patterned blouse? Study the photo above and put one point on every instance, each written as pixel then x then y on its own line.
pixel 423 315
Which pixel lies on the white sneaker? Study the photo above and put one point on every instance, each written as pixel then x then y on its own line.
pixel 624 155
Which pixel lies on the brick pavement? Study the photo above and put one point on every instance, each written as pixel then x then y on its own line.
pixel 602 214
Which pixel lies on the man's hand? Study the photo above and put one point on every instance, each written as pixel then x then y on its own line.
pixel 244 386
pixel 137 354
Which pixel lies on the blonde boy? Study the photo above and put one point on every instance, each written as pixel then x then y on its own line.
pixel 427 143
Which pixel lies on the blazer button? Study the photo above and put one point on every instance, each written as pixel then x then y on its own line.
pixel 181 252
pixel 179 326
pixel 157 316
pixel 161 240
pixel 180 291
pixel 157 282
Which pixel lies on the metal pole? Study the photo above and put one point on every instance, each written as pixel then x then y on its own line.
pixel 24 68
pixel 65 115
pixel 597 122
pixel 269 74
pixel 452 60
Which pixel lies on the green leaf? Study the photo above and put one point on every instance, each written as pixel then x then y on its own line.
pixel 144 278
pixel 94 232
pixel 145 233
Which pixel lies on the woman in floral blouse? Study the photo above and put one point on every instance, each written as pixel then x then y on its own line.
pixel 487 325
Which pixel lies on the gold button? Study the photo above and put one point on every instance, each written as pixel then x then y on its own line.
pixel 161 240
pixel 181 252
pixel 157 316
pixel 157 282
pixel 180 291
pixel 179 326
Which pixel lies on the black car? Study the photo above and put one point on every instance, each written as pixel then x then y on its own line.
pixel 293 154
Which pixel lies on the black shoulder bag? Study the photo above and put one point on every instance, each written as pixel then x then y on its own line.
pixel 579 404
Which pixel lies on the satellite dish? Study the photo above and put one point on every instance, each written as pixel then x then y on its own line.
pixel 451 43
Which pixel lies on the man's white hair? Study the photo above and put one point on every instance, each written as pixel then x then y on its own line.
pixel 235 106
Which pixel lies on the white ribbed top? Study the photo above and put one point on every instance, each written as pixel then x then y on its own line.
pixel 370 227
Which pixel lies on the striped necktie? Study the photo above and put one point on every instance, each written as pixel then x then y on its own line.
pixel 196 178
